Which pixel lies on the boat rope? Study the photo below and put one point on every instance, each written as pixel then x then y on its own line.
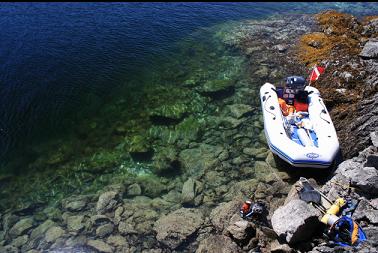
pixel 323 111
pixel 274 116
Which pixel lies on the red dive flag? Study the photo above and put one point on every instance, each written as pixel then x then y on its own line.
pixel 316 73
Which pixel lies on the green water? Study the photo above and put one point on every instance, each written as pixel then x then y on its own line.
pixel 118 144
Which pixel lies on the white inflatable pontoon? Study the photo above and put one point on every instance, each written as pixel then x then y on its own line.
pixel 313 145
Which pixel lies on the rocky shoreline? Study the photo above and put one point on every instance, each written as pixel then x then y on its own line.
pixel 205 167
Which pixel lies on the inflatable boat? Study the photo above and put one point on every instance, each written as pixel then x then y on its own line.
pixel 311 143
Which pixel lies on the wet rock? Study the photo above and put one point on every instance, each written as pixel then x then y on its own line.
pixel 116 241
pixel 165 162
pixel 140 148
pixel 126 228
pixel 75 223
pixel 218 244
pixel 239 110
pixel 197 160
pixel 118 215
pixel 100 246
pixel 106 202
pixel 41 229
pixel 188 192
pixel 99 219
pixel 169 114
pixel 78 241
pixel 296 221
pixel 19 241
pixel 173 229
pixel 152 187
pixel 9 249
pixel 9 220
pixel 221 215
pixel 53 234
pixel 370 50
pixel 134 190
pixel 21 227
pixel 104 230
pixel 53 213
pixel 75 205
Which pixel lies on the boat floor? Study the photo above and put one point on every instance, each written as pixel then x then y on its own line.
pixel 294 136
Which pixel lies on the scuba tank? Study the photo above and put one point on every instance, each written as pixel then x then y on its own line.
pixel 343 230
pixel 330 217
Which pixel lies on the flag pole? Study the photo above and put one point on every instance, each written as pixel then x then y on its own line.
pixel 312 72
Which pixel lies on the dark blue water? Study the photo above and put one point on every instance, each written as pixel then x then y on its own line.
pixel 55 55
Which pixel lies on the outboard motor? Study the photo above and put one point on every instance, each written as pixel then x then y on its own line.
pixel 293 85
pixel 295 82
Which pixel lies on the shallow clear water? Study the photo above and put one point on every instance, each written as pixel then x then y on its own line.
pixel 75 78
pixel 61 58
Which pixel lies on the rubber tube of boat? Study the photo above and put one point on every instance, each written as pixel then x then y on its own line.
pixel 304 138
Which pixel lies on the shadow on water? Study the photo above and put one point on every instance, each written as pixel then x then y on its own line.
pixel 321 175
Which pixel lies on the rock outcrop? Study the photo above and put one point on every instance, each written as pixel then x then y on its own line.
pixel 296 221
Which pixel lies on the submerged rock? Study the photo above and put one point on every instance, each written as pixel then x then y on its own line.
pixel 21 227
pixel 53 234
pixel 218 88
pixel 106 202
pixel 169 114
pixel 190 190
pixel 296 221
pixel 197 160
pixel 75 223
pixel 100 246
pixel 134 190
pixel 173 229
pixel 239 110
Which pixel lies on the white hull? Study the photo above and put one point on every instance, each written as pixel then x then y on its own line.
pixel 320 155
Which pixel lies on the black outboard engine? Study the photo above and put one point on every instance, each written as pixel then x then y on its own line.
pixel 295 82
pixel 293 85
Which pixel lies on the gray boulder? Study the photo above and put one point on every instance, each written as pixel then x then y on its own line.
pixel 365 178
pixel 173 229
pixel 370 50
pixel 241 230
pixel 366 211
pixel 218 244
pixel 296 221
pixel 106 202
